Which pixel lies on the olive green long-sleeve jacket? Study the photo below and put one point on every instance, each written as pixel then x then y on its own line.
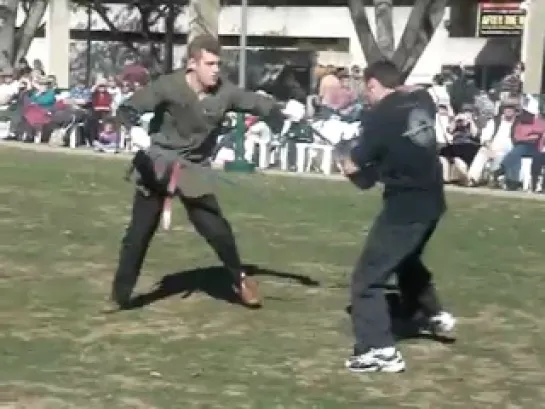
pixel 186 127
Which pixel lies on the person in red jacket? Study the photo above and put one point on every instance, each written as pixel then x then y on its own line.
pixel 528 130
pixel 101 100
pixel 101 105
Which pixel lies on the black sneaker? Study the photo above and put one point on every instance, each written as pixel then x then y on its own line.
pixel 377 360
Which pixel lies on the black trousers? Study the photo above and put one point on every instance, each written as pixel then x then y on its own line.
pixel 390 248
pixel 203 212
pixel 464 151
pixel 538 163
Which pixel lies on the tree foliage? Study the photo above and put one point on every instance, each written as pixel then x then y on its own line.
pixel 143 16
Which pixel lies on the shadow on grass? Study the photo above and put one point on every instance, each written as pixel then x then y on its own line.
pixel 214 281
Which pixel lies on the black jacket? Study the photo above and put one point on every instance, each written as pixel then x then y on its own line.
pixel 399 141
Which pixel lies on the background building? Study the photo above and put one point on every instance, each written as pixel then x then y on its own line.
pixel 323 26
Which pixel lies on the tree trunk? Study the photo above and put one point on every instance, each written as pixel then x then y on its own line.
pixel 369 45
pixel 425 17
pixel 203 18
pixel 384 27
pixel 8 18
pixel 27 31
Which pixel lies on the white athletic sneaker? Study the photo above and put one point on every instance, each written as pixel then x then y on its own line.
pixel 442 323
pixel 377 360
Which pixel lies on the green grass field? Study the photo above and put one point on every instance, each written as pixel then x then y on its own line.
pixel 61 219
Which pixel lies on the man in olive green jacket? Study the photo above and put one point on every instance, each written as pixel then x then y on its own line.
pixel 188 106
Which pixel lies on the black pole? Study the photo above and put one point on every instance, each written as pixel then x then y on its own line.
pixel 169 38
pixel 88 48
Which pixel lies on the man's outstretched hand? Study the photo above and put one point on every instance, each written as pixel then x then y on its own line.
pixel 348 167
pixel 364 178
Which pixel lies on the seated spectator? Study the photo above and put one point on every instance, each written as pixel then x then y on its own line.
pixel 329 94
pixel 37 113
pixel 528 130
pixel 101 107
pixel 80 102
pixel 511 85
pixel 439 93
pixel 124 93
pixel 464 146
pixel 9 89
pixel 113 87
pixel 80 95
pixel 22 99
pixel 256 132
pixel 42 94
pixel 53 84
pixel 134 72
pixel 22 68
pixel 485 109
pixel 496 141
pixel 101 100
pixel 442 125
pixel 38 67
pixel 108 138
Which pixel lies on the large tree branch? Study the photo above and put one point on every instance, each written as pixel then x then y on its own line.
pixel 384 27
pixel 27 31
pixel 424 19
pixel 103 14
pixel 154 57
pixel 369 45
pixel 203 18
pixel 25 4
pixel 8 18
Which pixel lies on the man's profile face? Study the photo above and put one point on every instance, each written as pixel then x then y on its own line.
pixel 373 91
pixel 206 67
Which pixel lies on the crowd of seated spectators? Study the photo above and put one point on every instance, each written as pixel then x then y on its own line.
pixel 486 139
pixel 36 107
pixel 483 136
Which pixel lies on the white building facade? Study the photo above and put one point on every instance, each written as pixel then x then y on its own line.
pixel 310 23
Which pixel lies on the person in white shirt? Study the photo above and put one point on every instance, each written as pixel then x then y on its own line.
pixel 496 141
pixel 9 88
pixel 125 92
pixel 439 93
pixel 443 137
pixel 442 123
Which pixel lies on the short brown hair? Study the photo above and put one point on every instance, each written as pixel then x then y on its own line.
pixel 203 43
pixel 385 72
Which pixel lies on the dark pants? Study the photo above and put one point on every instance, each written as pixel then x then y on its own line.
pixel 390 248
pixel 92 124
pixel 464 151
pixel 204 213
pixel 538 163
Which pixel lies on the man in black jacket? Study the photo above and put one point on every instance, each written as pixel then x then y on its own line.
pixel 398 148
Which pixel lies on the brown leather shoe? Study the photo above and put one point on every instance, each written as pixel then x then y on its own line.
pixel 248 292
